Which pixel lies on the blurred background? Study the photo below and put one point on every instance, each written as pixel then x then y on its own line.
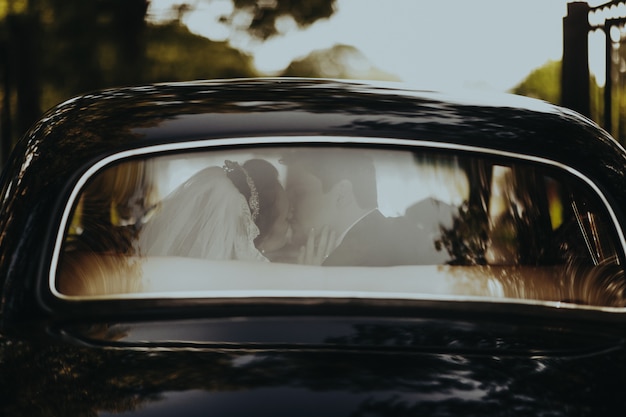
pixel 557 50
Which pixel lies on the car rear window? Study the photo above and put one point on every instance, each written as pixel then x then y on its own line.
pixel 412 222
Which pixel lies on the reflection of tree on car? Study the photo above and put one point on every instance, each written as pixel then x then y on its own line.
pixel 83 381
pixel 526 216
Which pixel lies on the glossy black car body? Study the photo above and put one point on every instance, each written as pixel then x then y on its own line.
pixel 304 356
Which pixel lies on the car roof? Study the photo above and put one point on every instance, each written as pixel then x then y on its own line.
pixel 129 117
pixel 152 111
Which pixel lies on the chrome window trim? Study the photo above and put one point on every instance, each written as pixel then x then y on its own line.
pixel 314 140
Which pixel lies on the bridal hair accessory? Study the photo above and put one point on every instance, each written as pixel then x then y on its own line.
pixel 253 202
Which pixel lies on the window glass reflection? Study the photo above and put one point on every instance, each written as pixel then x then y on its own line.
pixel 341 222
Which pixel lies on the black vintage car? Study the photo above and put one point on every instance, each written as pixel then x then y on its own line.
pixel 312 247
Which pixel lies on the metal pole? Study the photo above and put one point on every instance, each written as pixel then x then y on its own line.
pixel 608 80
pixel 575 66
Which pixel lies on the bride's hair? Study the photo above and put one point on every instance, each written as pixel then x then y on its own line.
pixel 258 181
pixel 240 177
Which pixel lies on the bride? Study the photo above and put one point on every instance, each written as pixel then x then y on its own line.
pixel 230 212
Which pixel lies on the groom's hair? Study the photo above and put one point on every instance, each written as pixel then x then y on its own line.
pixel 331 165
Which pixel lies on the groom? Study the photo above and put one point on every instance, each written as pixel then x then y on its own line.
pixel 333 191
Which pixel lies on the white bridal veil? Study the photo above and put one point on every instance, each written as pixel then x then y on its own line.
pixel 205 217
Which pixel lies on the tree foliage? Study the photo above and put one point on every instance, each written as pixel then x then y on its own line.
pixel 175 54
pixel 51 50
pixel 340 61
pixel 543 83
pixel 260 18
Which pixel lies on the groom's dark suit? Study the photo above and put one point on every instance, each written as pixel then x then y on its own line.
pixel 377 240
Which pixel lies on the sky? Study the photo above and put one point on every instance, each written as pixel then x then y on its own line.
pixel 489 45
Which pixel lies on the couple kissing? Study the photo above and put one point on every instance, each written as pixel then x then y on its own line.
pixel 325 215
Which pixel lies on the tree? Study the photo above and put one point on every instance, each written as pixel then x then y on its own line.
pixel 55 49
pixel 542 83
pixel 92 45
pixel 259 18
pixel 340 61
pixel 20 67
pixel 545 83
pixel 175 54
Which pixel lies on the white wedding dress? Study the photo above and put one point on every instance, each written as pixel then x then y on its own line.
pixel 205 217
